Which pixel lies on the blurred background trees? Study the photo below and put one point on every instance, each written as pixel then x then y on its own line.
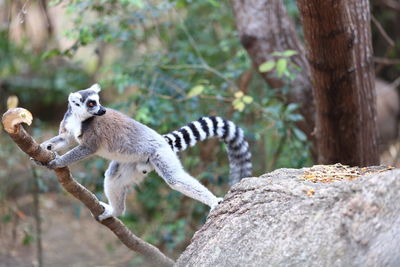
pixel 166 63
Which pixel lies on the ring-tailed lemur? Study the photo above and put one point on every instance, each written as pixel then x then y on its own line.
pixel 135 149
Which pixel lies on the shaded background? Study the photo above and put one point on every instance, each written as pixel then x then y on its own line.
pixel 164 63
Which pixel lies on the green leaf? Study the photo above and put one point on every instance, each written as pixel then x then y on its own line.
pixel 289 53
pixel 280 126
pixel 247 99
pixel 6 218
pixel 239 94
pixel 292 107
pixel 181 4
pixel 143 115
pixel 51 53
pixel 277 54
pixel 195 91
pixel 281 67
pixel 138 3
pixel 214 3
pixel 238 105
pixel 299 134
pixel 27 239
pixel 295 117
pixel 266 66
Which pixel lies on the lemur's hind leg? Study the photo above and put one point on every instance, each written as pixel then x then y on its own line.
pixel 169 167
pixel 119 177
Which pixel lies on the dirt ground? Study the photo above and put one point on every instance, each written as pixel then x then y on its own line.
pixel 68 239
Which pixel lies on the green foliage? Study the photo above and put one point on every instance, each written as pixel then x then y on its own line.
pixel 267 66
pixel 195 91
pixel 6 218
pixel 241 100
pixel 283 67
pixel 27 238
pixel 29 74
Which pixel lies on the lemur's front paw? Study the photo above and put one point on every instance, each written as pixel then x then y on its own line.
pixel 53 164
pixel 108 212
pixel 56 162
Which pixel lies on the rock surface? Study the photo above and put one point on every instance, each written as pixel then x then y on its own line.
pixel 272 221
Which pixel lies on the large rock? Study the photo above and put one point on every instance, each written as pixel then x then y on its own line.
pixel 275 220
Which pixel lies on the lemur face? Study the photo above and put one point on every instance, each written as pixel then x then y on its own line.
pixel 86 103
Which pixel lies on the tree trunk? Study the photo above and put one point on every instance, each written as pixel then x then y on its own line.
pixel 264 27
pixel 339 52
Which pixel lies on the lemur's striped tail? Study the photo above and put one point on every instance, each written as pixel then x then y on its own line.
pixel 207 127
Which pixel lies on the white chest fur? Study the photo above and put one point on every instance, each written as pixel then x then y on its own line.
pixel 73 126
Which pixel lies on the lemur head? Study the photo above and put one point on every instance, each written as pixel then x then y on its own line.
pixel 86 103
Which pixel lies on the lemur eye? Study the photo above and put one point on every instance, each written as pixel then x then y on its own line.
pixel 91 103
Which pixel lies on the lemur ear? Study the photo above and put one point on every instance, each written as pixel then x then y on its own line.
pixel 96 87
pixel 74 97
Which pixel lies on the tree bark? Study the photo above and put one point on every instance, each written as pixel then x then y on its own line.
pixel 264 27
pixel 339 51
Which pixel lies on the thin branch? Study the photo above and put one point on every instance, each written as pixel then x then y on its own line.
pixel 382 31
pixel 205 67
pixel 192 41
pixel 22 13
pixel 27 144
pixel 217 98
pixel 49 24
pixel 386 61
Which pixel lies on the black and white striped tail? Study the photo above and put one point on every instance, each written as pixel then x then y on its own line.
pixel 207 127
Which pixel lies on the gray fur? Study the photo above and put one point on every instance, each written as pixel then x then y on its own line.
pixel 76 154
